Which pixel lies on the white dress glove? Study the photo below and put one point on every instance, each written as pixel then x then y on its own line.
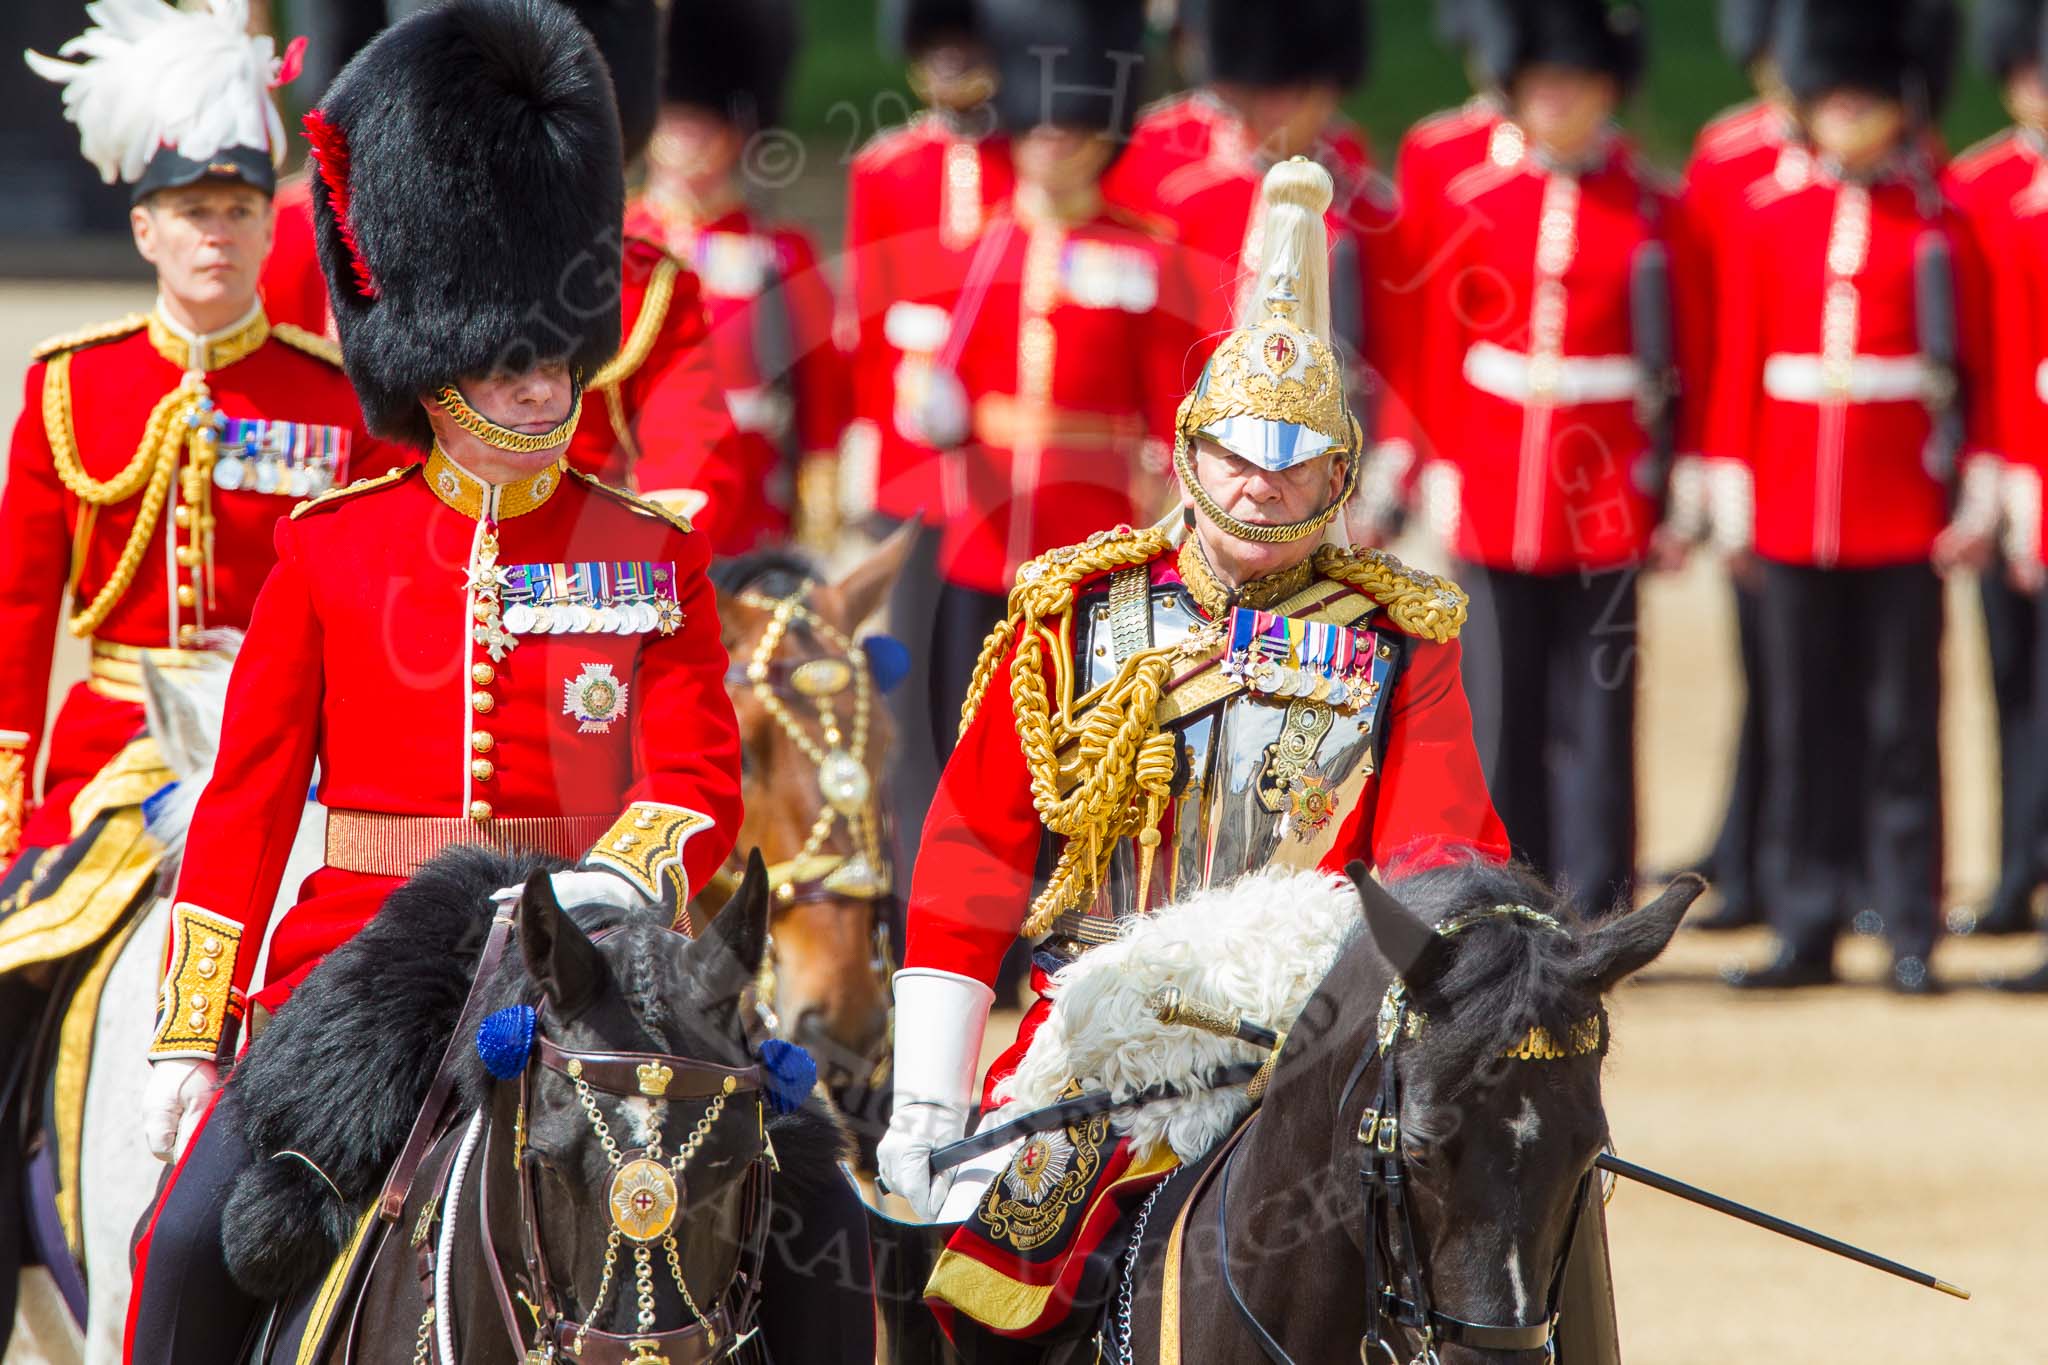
pixel 172 1103
pixel 583 886
pixel 940 1017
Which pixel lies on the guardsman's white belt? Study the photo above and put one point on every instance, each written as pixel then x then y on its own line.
pixel 1566 381
pixel 1853 379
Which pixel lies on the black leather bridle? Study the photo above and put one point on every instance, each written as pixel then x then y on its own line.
pixel 1396 1262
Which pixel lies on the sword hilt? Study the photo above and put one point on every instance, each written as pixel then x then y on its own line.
pixel 1170 1006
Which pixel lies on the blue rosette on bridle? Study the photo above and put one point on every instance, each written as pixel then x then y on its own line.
pixel 504 1040
pixel 788 1075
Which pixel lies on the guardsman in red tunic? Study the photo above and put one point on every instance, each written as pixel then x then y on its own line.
pixel 917 199
pixel 1857 389
pixel 1547 354
pixel 483 647
pixel 768 302
pixel 1734 150
pixel 153 453
pixel 1274 78
pixel 1994 184
pixel 1055 391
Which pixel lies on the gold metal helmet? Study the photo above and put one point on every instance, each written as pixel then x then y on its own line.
pixel 1273 391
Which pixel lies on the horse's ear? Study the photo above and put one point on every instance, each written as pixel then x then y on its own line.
pixel 178 719
pixel 1413 947
pixel 558 954
pixel 860 591
pixel 741 928
pixel 1630 942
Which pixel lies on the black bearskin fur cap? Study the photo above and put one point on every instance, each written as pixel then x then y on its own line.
pixel 1093 75
pixel 2008 35
pixel 628 37
pixel 1258 43
pixel 1901 48
pixel 1745 27
pixel 468 204
pixel 732 57
pixel 908 27
pixel 1589 35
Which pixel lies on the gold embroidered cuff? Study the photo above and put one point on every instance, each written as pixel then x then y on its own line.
pixel 198 995
pixel 13 789
pixel 645 847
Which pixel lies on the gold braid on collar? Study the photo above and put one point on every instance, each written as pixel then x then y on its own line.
pixel 1215 597
pixel 1126 764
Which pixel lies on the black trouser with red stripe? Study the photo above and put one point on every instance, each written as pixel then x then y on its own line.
pixel 1853 773
pixel 2010 633
pixel 1732 862
pixel 1550 669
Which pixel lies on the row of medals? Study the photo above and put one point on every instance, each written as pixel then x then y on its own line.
pixel 1276 679
pixel 232 472
pixel 568 618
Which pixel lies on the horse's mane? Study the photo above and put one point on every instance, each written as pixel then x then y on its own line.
pixel 774 573
pixel 1504 974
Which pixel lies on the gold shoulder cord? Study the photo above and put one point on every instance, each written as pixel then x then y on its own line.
pixel 1421 604
pixel 310 343
pixel 1126 764
pixel 611 380
pixel 150 471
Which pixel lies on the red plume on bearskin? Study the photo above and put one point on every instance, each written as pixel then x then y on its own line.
pixel 330 154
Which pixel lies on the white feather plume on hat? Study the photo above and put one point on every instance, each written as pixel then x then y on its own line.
pixel 154 75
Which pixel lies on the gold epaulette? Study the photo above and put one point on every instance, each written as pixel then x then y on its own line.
pixel 661 288
pixel 349 490
pixel 1418 603
pixel 645 506
pixel 92 336
pixel 312 343
pixel 1054 573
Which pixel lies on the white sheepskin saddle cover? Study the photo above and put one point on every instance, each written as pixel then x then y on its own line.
pixel 1259 946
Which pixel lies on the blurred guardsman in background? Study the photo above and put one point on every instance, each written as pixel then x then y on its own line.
pixel 1054 395
pixel 155 452
pixel 1993 184
pixel 1547 362
pixel 1732 152
pixel 917 199
pixel 1273 80
pixel 1856 350
pixel 769 304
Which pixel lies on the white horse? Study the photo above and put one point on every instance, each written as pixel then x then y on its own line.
pixel 118 1176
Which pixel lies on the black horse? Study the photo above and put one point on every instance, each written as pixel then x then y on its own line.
pixel 619 1180
pixel 1424 1152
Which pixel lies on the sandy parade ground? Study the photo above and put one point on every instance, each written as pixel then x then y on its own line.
pixel 1912 1127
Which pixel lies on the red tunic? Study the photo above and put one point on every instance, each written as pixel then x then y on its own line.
pixel 361 659
pixel 973 883
pixel 115 381
pixel 917 199
pixel 1994 185
pixel 1078 357
pixel 293 288
pixel 1829 410
pixel 2021 273
pixel 1530 360
pixel 769 308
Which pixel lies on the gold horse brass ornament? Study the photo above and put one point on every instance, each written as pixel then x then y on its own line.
pixel 643 1200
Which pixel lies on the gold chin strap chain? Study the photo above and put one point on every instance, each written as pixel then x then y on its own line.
pixel 644 1199
pixel 840 759
pixel 450 400
pixel 185 417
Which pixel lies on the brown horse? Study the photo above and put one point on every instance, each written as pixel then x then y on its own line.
pixel 815 740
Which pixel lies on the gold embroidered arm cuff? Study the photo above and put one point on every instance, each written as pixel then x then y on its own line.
pixel 13 789
pixel 198 996
pixel 645 847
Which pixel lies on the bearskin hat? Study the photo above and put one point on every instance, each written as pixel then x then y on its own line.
pixel 1258 43
pixel 1589 35
pixel 908 27
pixel 1901 48
pixel 2007 34
pixel 732 57
pixel 1076 63
pixel 628 36
pixel 1745 28
pixel 469 203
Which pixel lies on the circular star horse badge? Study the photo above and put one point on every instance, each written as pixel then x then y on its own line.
pixel 643 1199
pixel 595 698
pixel 1040 1164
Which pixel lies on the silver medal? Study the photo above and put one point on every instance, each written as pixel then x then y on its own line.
pixel 519 619
pixel 228 472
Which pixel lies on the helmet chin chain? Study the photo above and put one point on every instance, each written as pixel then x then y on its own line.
pixel 450 400
pixel 1184 465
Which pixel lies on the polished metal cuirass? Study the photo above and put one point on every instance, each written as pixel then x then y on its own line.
pixel 1264 780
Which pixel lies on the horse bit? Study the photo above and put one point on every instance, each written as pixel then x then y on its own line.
pixel 840 761
pixel 644 1194
pixel 1383 1181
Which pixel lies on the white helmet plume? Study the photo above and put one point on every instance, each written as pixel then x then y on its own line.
pixel 1294 255
pixel 153 75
